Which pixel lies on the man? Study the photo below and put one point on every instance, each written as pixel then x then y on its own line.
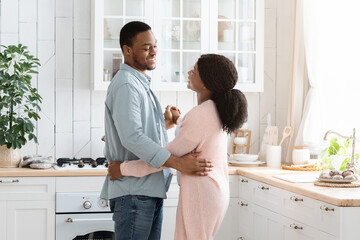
pixel 135 128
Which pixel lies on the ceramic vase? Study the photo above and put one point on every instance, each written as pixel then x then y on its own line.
pixel 9 157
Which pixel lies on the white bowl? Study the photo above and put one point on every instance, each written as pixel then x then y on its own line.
pixel 244 157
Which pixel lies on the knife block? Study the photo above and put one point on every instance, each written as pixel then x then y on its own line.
pixel 246 147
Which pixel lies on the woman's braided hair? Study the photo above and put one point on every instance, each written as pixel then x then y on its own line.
pixel 219 75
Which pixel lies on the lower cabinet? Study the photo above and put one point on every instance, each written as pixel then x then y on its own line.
pixel 2 220
pixel 270 225
pixel 258 211
pixel 229 228
pixel 27 208
pixel 30 220
pixel 169 211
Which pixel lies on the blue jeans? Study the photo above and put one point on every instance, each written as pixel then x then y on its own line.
pixel 137 217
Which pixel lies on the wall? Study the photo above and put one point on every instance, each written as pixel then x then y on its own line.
pixel 71 125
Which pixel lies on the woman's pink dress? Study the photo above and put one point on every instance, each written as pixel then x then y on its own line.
pixel 203 200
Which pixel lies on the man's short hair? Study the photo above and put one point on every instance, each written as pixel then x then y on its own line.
pixel 130 30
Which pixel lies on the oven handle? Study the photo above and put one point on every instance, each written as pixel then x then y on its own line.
pixel 70 220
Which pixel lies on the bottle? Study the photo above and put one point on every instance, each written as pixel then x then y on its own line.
pixel 107 75
pixel 116 61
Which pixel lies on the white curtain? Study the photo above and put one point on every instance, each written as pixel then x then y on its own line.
pixel 298 82
pixel 332 50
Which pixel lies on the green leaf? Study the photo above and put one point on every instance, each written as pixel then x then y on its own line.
pixel 19 101
pixel 343 164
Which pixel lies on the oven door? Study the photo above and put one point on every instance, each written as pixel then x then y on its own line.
pixel 98 226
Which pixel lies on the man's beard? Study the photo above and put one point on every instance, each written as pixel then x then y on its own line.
pixel 140 66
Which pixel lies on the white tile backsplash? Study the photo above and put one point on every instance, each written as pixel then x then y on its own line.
pixel 82 138
pixel 27 10
pixel 10 13
pixel 72 124
pixel 46 20
pixel 64 8
pixel 64 47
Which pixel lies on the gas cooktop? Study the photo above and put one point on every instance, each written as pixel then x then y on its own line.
pixel 81 164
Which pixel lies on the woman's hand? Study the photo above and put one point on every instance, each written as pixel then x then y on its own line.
pixel 175 113
pixel 170 119
pixel 114 171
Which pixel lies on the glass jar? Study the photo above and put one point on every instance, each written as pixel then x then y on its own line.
pixel 116 62
pixel 107 75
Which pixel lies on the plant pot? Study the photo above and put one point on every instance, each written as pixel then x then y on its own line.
pixel 9 157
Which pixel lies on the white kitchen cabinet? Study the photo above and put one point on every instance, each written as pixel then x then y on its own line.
pixel 28 208
pixel 270 225
pixel 169 211
pixel 185 29
pixel 3 220
pixel 229 228
pixel 30 220
pixel 269 212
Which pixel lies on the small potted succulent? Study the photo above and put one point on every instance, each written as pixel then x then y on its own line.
pixel 19 102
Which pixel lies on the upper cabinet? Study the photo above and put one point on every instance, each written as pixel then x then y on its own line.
pixel 185 29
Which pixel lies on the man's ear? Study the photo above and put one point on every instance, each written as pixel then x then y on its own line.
pixel 127 50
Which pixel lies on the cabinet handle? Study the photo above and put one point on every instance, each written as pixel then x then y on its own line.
pixel 240 238
pixel 243 204
pixel 296 199
pixel 263 187
pixel 294 226
pixel 10 181
pixel 327 209
pixel 244 180
pixel 70 220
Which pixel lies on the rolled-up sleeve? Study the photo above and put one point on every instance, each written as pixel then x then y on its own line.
pixel 126 113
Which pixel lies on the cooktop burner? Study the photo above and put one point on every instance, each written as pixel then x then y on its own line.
pixel 80 163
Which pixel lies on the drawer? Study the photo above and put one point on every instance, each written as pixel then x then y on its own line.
pixel 27 188
pixel 319 215
pixel 79 184
pixel 246 219
pixel 234 186
pixel 245 188
pixel 267 196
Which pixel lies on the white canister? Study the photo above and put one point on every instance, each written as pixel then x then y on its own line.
pixel 240 140
pixel 273 156
pixel 300 155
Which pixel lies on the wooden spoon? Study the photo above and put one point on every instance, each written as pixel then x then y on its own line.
pixel 286 133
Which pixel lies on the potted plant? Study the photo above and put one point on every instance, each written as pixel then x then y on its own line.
pixel 336 156
pixel 19 102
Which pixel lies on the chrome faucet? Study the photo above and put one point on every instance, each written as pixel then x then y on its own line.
pixel 350 165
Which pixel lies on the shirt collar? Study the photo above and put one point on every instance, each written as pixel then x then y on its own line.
pixel 144 79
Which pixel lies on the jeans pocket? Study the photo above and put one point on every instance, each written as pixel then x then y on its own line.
pixel 117 207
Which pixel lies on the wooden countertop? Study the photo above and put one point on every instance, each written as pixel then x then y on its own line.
pixel 51 172
pixel 345 197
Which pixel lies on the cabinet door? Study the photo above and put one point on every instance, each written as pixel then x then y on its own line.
pixel 270 225
pixel 229 228
pixel 181 29
pixel 3 220
pixel 237 31
pixel 169 218
pixel 169 213
pixel 108 17
pixel 32 220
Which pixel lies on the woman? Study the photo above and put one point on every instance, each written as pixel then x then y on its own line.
pixel 203 200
